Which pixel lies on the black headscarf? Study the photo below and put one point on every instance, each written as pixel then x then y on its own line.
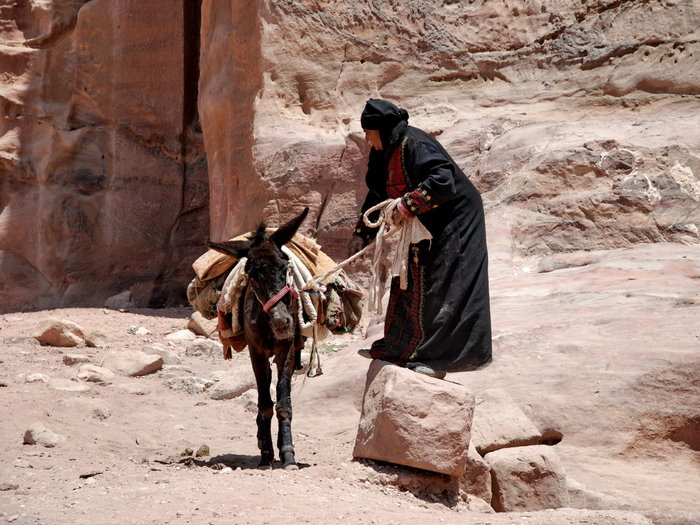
pixel 383 116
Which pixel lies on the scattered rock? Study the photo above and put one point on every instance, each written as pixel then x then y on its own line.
pixel 181 336
pixel 202 451
pixel 527 479
pixel 4 487
pixel 476 504
pixel 218 375
pixel 205 347
pixel 36 378
pixel 249 400
pixel 38 434
pixel 138 330
pixel 499 423
pixel 121 301
pixel 74 359
pixel 187 452
pixel 191 385
pixel 414 420
pixel 132 363
pixel 57 332
pixel 176 370
pixel 476 480
pixel 67 385
pixel 20 340
pixel 169 357
pixel 232 386
pixel 200 325
pixel 95 339
pixel 95 374
pixel 137 390
pixel 91 474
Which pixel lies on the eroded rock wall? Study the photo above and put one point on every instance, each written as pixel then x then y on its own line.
pixel 574 119
pixel 104 182
pixel 571 117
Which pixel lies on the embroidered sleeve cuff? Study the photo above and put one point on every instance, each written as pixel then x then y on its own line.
pixel 418 201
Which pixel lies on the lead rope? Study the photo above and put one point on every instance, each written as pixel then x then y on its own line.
pixel 314 356
pixel 386 228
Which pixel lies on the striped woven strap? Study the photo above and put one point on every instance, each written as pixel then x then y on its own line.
pixel 278 296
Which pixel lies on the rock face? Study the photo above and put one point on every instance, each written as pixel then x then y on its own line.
pixel 570 117
pixel 103 185
pixel 414 420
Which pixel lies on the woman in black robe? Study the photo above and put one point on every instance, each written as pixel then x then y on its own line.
pixel 441 322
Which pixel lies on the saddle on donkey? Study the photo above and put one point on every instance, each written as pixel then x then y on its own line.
pixel 219 284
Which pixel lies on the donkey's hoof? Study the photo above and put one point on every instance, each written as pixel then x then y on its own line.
pixel 291 466
pixel 265 464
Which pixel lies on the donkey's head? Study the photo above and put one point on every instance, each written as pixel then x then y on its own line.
pixel 269 273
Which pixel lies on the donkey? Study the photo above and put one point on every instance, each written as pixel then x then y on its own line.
pixel 271 330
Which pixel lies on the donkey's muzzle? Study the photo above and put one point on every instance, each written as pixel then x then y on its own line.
pixel 281 323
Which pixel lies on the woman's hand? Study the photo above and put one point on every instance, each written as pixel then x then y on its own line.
pixel 400 213
pixel 355 245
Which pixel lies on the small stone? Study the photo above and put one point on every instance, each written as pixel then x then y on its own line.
pixel 36 378
pixel 38 434
pixel 201 325
pixel 232 386
pixel 102 412
pixel 132 363
pixel 181 335
pixel 169 357
pixel 202 451
pixel 95 339
pixel 121 301
pixel 74 359
pixel 191 385
pixel 91 474
pixel 137 390
pixel 205 347
pixel 66 385
pixel 187 452
pixel 57 332
pixel 95 374
pixel 8 486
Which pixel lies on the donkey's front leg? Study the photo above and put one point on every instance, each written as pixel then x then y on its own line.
pixel 284 411
pixel 263 376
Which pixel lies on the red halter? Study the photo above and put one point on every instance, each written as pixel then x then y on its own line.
pixel 278 296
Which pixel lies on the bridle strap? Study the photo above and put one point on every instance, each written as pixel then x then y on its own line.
pixel 278 296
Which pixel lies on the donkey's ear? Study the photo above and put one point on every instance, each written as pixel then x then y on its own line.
pixel 285 232
pixel 236 248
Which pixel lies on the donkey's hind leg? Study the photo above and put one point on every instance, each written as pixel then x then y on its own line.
pixel 284 411
pixel 263 376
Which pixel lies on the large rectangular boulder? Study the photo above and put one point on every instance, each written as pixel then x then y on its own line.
pixel 414 420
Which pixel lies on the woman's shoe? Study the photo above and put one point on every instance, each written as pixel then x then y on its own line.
pixel 427 370
pixel 365 353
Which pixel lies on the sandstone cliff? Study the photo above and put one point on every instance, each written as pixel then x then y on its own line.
pixel 573 118
pixel 104 184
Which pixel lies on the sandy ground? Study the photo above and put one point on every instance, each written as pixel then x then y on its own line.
pixel 606 352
